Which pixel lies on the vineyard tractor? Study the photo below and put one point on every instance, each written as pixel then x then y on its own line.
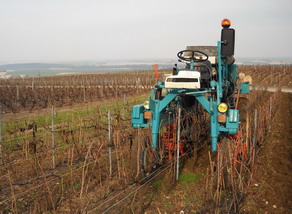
pixel 208 81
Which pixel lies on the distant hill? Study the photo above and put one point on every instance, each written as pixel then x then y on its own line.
pixel 47 69
pixel 264 61
pixel 32 66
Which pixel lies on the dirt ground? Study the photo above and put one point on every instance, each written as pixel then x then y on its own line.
pixel 272 189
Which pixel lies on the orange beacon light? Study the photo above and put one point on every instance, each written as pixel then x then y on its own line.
pixel 225 23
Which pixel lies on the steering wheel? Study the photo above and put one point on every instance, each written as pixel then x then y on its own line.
pixel 192 57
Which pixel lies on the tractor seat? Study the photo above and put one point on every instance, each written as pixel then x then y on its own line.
pixel 205 68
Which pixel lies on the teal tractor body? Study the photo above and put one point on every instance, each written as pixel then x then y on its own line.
pixel 210 77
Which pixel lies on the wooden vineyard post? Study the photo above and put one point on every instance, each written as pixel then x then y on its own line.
pixel 84 94
pixel 53 139
pixel 255 127
pixel 109 143
pixel 17 94
pixel 247 139
pixel 32 84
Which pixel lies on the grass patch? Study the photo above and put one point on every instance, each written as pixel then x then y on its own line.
pixel 76 119
pixel 157 185
pixel 167 204
pixel 188 178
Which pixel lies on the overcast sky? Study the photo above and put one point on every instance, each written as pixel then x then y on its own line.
pixel 48 30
